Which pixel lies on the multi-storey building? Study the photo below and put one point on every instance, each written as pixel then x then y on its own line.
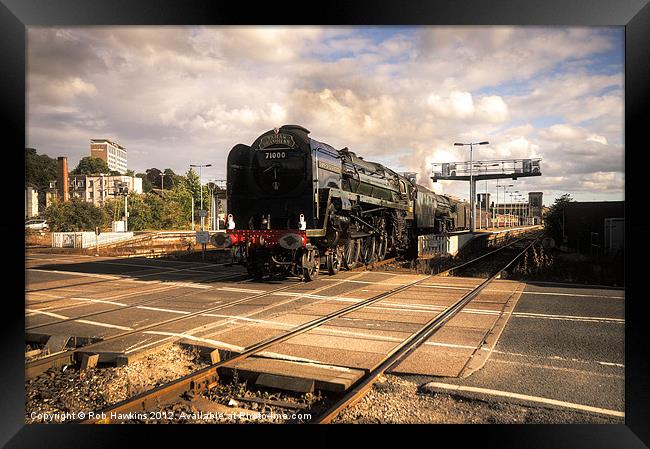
pixel 530 212
pixel 95 188
pixel 113 153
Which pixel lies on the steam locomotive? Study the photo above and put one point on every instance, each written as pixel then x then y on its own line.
pixel 295 203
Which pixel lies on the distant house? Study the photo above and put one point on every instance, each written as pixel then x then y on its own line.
pixel 31 202
pixel 95 188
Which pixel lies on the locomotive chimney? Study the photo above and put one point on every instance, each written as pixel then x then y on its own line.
pixel 62 178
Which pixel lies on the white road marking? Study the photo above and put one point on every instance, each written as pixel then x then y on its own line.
pixel 217 343
pixel 31 312
pixel 619 365
pixel 234 318
pixel 363 282
pixel 328 330
pixel 188 284
pixel 449 345
pixel 579 295
pixel 98 301
pixel 444 287
pixel 525 397
pixel 557 357
pixel 134 348
pixel 240 290
pixel 77 273
pixel 49 295
pixel 570 285
pixel 591 319
pixel 558 368
pixel 235 348
pixel 97 323
pixel 162 310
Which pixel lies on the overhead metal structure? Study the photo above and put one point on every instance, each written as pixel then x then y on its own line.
pixel 474 171
pixel 492 169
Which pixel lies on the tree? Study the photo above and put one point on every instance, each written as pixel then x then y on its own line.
pixel 153 175
pixel 171 178
pixel 140 213
pixel 177 208
pixel 91 166
pixel 554 219
pixel 74 215
pixel 193 185
pixel 130 173
pixel 40 169
pixel 150 211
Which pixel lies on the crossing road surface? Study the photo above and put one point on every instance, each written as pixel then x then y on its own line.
pixel 563 348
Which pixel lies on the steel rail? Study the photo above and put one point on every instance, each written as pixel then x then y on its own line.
pixel 369 266
pixel 406 348
pixel 59 359
pixel 39 366
pixel 482 256
pixel 207 378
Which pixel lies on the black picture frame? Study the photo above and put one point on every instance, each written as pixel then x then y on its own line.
pixel 16 15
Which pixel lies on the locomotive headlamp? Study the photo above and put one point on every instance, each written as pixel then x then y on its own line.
pixel 231 222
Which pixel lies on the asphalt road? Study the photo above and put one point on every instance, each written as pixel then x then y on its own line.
pixel 563 347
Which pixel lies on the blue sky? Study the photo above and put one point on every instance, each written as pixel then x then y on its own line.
pixel 397 95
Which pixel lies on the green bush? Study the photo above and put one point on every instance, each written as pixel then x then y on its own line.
pixel 73 216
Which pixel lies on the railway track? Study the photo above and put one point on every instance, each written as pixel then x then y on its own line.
pixel 404 349
pixel 206 379
pixel 373 265
pixel 60 359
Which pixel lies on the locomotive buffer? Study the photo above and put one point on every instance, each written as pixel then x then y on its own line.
pixel 492 169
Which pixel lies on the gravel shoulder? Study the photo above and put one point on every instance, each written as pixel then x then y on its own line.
pixel 397 400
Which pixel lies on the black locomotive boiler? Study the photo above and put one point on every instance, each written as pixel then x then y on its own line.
pixel 295 203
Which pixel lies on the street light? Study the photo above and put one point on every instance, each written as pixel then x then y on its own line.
pixel 162 183
pixel 472 187
pixel 201 185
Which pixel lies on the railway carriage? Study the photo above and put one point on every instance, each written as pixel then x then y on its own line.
pixel 296 204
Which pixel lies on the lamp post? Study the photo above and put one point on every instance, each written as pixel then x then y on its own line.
pixel 201 186
pixel 472 187
pixel 162 183
pixel 202 212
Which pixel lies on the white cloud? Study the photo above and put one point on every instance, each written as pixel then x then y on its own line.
pixel 174 94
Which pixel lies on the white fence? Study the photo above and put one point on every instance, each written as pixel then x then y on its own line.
pixel 87 239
